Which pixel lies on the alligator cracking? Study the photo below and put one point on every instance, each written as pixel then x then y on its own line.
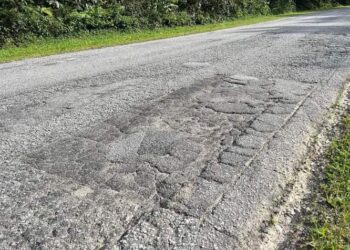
pixel 177 157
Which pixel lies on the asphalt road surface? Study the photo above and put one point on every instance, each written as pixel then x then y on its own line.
pixel 183 143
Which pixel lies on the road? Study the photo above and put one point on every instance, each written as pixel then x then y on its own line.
pixel 182 143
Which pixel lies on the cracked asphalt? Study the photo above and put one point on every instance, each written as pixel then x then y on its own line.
pixel 183 143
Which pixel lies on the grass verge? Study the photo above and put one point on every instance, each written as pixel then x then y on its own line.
pixel 330 222
pixel 84 41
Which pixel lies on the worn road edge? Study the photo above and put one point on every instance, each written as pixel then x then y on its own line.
pixel 283 221
pixel 295 137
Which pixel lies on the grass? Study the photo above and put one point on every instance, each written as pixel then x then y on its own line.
pixel 331 218
pixel 84 41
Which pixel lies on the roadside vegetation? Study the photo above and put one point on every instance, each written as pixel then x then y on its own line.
pixel 42 46
pixel 41 27
pixel 330 220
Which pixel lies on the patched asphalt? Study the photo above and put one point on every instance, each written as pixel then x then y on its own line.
pixel 183 143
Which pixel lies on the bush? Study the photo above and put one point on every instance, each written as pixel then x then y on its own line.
pixel 177 19
pixel 14 24
pixel 128 23
pixel 282 6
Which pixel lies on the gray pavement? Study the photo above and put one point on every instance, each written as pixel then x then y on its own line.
pixel 183 143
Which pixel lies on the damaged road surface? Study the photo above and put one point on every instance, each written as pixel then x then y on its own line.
pixel 183 143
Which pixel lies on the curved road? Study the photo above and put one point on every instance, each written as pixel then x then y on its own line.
pixel 182 143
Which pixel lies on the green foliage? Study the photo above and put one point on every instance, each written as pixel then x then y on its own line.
pixel 21 20
pixel 281 6
pixel 46 18
pixel 317 4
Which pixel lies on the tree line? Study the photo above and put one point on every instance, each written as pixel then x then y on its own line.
pixel 22 19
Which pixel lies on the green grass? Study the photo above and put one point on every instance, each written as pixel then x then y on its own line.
pixel 331 217
pixel 84 41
